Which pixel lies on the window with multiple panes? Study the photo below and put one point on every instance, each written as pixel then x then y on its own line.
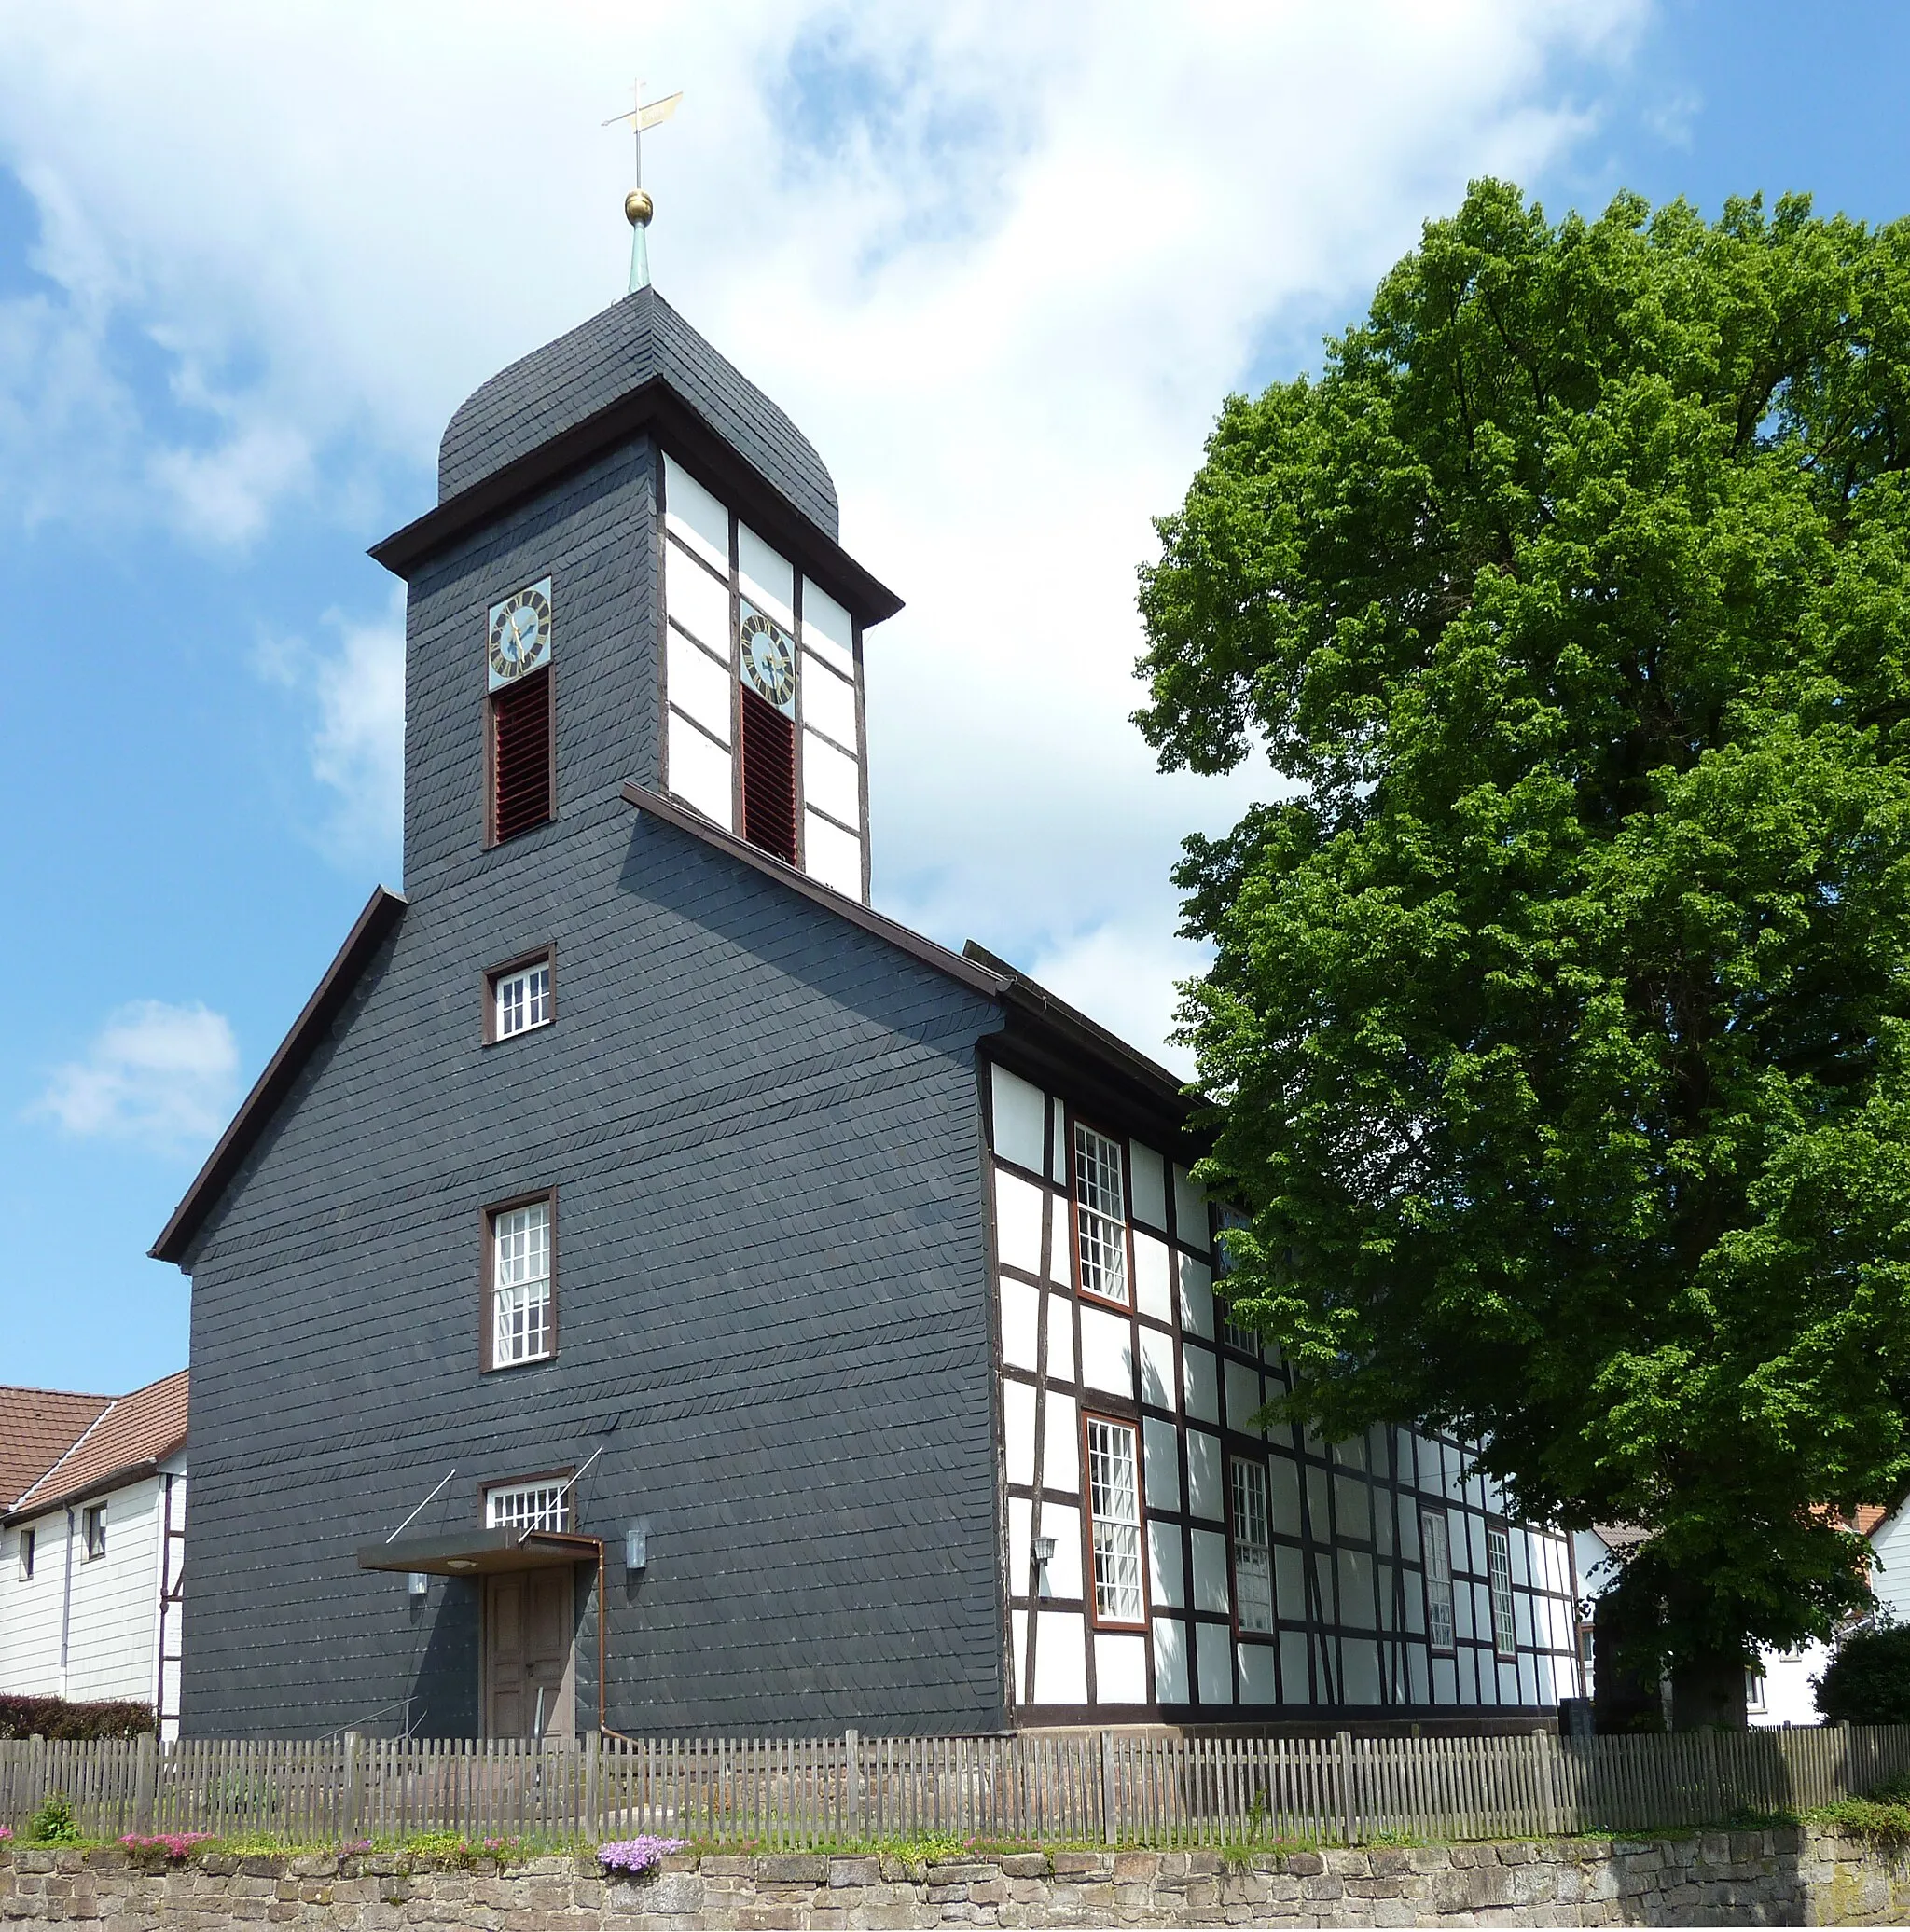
pixel 521 1324
pixel 28 1539
pixel 1101 1215
pixel 520 756
pixel 520 999
pixel 1252 1548
pixel 1435 1533
pixel 92 1526
pixel 1114 1501
pixel 542 1505
pixel 1499 1579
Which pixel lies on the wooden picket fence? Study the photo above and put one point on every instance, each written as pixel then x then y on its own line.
pixel 1102 1787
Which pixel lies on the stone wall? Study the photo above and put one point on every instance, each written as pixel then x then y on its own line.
pixel 1782 1877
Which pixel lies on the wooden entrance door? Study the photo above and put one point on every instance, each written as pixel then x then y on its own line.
pixel 526 1651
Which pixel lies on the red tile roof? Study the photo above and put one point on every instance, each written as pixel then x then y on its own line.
pixel 132 1433
pixel 37 1427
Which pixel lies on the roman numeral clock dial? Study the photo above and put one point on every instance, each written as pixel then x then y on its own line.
pixel 768 659
pixel 520 636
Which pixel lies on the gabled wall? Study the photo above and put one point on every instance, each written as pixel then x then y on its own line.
pixel 762 1126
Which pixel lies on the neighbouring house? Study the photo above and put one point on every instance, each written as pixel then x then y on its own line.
pixel 91 1538
pixel 651 1288
pixel 1782 1689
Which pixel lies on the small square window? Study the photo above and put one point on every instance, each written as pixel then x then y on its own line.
pixel 93 1528
pixel 517 998
pixel 28 1537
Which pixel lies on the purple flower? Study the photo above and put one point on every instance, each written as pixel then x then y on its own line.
pixel 633 1857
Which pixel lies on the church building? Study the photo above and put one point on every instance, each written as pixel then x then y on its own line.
pixel 651 1289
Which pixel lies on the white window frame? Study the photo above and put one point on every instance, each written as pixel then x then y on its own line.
pixel 1498 1583
pixel 1435 1540
pixel 520 999
pixel 1252 1547
pixel 522 1329
pixel 1756 1692
pixel 1100 1216
pixel 28 1546
pixel 544 1505
pixel 92 1531
pixel 1113 1460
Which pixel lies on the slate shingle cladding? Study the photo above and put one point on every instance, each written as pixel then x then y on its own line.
pixel 762 1126
pixel 615 352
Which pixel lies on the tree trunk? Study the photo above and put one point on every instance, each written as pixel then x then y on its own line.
pixel 1708 1693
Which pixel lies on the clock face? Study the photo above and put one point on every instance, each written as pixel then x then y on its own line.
pixel 768 659
pixel 519 636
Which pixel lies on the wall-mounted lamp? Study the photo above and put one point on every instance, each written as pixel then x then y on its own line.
pixel 417 1583
pixel 459 1563
pixel 636 1546
pixel 1044 1556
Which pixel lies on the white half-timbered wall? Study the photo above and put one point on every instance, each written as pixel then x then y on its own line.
pixel 90 1628
pixel 712 560
pixel 1349 1583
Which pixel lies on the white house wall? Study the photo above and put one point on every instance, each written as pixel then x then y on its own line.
pixel 1351 1604
pixel 107 1606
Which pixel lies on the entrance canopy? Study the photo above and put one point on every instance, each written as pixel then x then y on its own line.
pixel 478 1552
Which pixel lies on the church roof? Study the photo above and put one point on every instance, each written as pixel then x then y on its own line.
pixel 622 347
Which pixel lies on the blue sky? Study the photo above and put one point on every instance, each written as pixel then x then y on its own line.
pixel 1001 272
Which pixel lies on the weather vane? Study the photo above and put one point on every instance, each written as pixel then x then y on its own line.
pixel 637 205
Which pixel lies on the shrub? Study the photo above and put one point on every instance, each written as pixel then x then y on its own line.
pixel 54 1717
pixel 1868 1680
pixel 54 1822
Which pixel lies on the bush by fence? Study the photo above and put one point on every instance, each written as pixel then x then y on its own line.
pixel 54 1717
pixel 1113 1787
pixel 1867 1680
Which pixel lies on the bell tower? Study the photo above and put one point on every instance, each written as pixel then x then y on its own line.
pixel 632 574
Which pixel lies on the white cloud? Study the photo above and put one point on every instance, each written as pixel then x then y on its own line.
pixel 1002 262
pixel 356 692
pixel 164 1077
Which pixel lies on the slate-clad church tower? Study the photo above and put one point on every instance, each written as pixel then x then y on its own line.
pixel 648 1288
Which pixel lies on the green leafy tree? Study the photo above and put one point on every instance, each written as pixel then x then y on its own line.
pixel 1556 1025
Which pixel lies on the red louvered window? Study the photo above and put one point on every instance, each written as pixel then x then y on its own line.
pixel 521 757
pixel 768 778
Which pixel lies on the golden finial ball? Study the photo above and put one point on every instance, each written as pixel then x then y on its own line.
pixel 638 207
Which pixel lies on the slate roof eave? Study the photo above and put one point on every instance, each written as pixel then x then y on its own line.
pixel 1069 1035
pixel 655 404
pixel 382 912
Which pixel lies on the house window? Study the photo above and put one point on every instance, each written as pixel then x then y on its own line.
pixel 544 1505
pixel 521 757
pixel 1434 1535
pixel 1252 1551
pixel 1499 1575
pixel 1101 1215
pixel 28 1537
pixel 1114 1502
pixel 522 1319
pixel 93 1528
pixel 520 996
pixel 1754 1688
